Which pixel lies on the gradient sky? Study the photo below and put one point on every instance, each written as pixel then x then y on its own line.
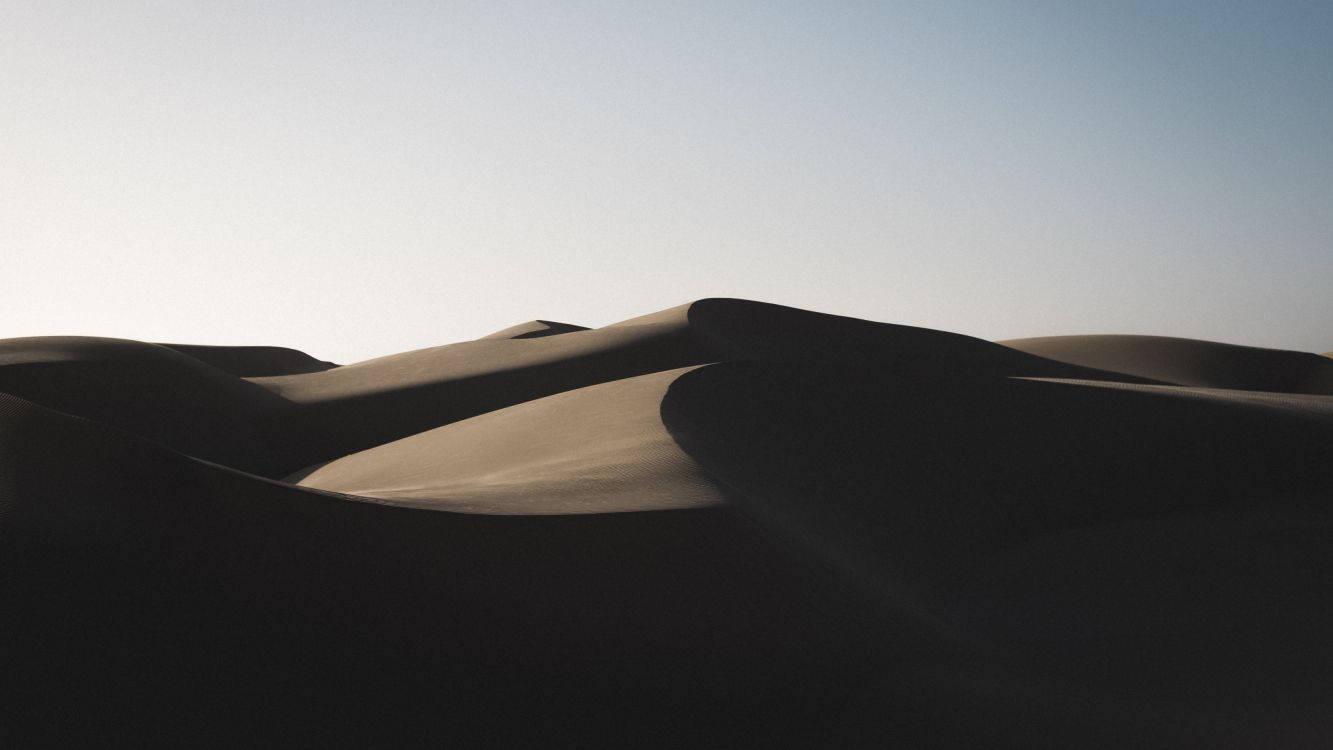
pixel 355 179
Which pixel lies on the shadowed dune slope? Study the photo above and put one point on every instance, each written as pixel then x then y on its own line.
pixel 1189 362
pixel 734 329
pixel 168 598
pixel 969 501
pixel 152 391
pixel 253 361
pixel 936 474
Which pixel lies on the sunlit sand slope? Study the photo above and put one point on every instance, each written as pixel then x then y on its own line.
pixel 597 449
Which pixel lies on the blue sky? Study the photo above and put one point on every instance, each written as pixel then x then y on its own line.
pixel 356 179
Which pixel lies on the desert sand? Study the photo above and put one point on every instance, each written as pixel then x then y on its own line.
pixel 726 524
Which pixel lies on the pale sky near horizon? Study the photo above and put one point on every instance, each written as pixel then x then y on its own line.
pixel 356 179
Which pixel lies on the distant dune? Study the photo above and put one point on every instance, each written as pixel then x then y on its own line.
pixel 725 524
pixel 254 361
pixel 535 329
pixel 1189 362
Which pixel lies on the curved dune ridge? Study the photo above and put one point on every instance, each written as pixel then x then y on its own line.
pixel 254 361
pixel 597 449
pixel 535 329
pixel 726 524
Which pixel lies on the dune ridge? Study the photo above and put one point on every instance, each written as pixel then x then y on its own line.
pixel 535 329
pixel 597 449
pixel 725 524
pixel 254 361
pixel 1189 362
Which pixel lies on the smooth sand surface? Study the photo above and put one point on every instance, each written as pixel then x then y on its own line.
pixel 535 329
pixel 1189 362
pixel 254 361
pixel 152 391
pixel 187 603
pixel 364 404
pixel 726 524
pixel 599 449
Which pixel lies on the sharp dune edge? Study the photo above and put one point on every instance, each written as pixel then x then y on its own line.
pixel 726 524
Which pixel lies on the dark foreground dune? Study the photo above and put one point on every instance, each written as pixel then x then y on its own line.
pixel 727 524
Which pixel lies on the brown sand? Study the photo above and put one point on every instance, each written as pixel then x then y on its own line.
pixel 1189 362
pixel 727 524
pixel 152 391
pixel 254 361
pixel 534 329
pixel 599 449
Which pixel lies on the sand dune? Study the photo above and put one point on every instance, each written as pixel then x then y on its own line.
pixel 535 329
pixel 323 414
pixel 152 391
pixel 167 597
pixel 1189 362
pixel 598 449
pixel 254 361
pixel 955 473
pixel 361 405
pixel 726 524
